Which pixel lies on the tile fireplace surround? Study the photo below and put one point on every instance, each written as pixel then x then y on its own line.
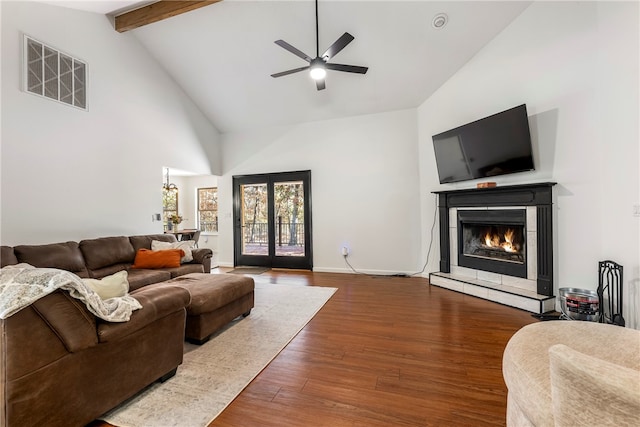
pixel 532 293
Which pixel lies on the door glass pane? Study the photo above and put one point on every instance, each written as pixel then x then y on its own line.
pixel 255 235
pixel 289 218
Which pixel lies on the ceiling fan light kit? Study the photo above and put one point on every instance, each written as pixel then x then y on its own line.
pixel 317 71
pixel 319 65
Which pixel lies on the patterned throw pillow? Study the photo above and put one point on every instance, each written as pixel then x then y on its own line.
pixel 186 246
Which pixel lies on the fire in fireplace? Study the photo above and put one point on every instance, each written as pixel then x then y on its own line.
pixel 493 240
pixel 500 242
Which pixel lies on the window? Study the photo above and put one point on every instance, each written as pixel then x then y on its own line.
pixel 169 204
pixel 208 209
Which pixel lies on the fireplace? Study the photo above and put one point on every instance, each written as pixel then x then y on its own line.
pixel 493 240
pixel 500 234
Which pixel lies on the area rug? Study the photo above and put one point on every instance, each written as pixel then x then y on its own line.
pixel 213 374
pixel 249 270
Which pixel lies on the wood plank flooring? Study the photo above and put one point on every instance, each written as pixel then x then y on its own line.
pixel 384 351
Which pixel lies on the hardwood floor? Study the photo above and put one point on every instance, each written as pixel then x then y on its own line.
pixel 384 352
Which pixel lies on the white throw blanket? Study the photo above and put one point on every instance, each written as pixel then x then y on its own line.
pixel 22 284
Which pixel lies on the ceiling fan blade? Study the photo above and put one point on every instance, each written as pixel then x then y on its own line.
pixel 337 46
pixel 347 68
pixel 283 44
pixel 286 73
pixel 320 84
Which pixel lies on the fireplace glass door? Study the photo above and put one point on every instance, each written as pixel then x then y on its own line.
pixel 493 240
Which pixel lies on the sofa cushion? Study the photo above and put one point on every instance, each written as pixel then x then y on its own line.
pixel 144 242
pixel 65 256
pixel 139 278
pixel 7 256
pixel 146 258
pixel 157 302
pixel 107 251
pixel 185 269
pixel 108 271
pixel 115 285
pixel 209 292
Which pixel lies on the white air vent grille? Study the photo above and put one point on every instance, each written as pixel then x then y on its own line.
pixel 53 74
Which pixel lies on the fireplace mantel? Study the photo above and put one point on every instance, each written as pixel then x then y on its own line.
pixel 538 195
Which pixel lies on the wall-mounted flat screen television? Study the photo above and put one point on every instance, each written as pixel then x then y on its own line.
pixel 496 145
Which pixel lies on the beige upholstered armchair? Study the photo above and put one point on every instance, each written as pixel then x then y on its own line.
pixel 572 373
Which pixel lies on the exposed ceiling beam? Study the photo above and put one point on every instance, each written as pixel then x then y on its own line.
pixel 156 12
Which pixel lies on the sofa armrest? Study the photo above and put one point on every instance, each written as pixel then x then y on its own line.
pixel 157 302
pixel 69 318
pixel 203 256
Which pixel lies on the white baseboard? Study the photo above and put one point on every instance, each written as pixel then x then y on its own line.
pixel 225 264
pixel 363 271
pixel 349 271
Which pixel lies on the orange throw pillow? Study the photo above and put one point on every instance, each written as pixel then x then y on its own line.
pixel 146 258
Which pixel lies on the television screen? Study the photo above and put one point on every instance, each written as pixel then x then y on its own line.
pixel 496 145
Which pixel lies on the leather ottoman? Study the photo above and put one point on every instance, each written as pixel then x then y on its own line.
pixel 216 299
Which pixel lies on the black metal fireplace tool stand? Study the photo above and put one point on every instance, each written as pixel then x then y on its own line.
pixel 610 293
pixel 608 307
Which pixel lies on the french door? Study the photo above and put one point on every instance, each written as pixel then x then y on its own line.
pixel 272 220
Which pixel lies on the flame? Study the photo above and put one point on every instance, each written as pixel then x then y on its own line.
pixel 491 240
pixel 494 241
pixel 507 245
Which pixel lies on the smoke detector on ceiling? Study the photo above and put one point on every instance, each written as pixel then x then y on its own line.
pixel 439 21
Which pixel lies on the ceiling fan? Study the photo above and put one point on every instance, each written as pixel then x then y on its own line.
pixel 319 65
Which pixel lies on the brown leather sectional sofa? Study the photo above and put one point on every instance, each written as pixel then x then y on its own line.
pixel 97 258
pixel 61 365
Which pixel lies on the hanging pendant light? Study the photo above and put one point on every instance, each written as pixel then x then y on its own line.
pixel 169 186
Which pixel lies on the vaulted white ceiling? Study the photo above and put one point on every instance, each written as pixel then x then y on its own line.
pixel 222 55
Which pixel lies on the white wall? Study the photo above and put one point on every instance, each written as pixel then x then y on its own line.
pixel 69 174
pixel 364 185
pixel 575 65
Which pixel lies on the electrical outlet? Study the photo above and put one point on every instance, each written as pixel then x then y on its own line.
pixel 636 210
pixel 345 251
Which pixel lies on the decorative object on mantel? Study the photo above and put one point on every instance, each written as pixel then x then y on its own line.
pixel 486 185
